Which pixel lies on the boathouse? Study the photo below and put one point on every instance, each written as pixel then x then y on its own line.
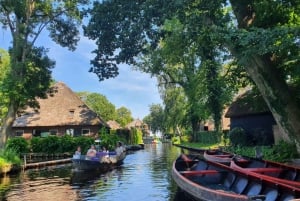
pixel 250 112
pixel 63 112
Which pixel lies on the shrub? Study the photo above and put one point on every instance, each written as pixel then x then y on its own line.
pixel 209 137
pixel 83 142
pixel 66 144
pixel 36 144
pixel 10 156
pixel 238 136
pixel 284 151
pixel 19 145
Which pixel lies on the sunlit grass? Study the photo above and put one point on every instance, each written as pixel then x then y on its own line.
pixel 200 145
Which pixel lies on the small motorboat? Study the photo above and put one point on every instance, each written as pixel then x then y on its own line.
pixel 100 162
pixel 207 180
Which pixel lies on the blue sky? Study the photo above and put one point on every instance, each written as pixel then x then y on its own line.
pixel 131 89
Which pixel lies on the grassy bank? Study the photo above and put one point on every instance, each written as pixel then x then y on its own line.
pixel 281 152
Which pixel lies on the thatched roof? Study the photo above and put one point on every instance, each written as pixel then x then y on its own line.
pixel 248 103
pixel 137 123
pixel 113 124
pixel 63 108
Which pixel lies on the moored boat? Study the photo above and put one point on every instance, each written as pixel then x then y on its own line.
pixel 218 156
pixel 207 180
pixel 278 172
pixel 99 162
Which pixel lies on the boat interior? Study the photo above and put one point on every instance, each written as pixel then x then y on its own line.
pixel 232 181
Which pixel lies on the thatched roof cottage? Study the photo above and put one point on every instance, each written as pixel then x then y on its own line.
pixel 62 113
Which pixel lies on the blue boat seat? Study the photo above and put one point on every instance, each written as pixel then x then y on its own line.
pixel 229 179
pixel 271 194
pixel 253 188
pixel 239 184
pixel 286 197
pixel 201 165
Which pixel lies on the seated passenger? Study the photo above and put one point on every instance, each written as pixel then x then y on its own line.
pixel 91 152
pixel 77 153
pixel 120 149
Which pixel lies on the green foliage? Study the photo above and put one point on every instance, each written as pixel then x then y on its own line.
pixel 123 116
pixel 99 104
pixel 19 144
pixel 4 69
pixel 29 75
pixel 176 140
pixel 66 144
pixel 60 144
pixel 84 142
pixel 238 136
pixel 281 152
pixel 108 140
pixel 155 120
pixel 209 137
pixel 10 156
pixel 136 136
pixel 176 39
pixel 284 151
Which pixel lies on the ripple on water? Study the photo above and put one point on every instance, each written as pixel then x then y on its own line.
pixel 145 175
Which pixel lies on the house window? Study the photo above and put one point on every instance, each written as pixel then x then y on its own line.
pixel 19 133
pixel 85 132
pixel 71 113
pixel 53 131
pixel 70 131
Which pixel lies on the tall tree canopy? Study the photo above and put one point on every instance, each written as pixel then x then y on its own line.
pixel 99 104
pixel 30 72
pixel 123 116
pixel 261 36
pixel 155 120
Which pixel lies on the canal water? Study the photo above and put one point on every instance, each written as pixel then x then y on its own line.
pixel 145 175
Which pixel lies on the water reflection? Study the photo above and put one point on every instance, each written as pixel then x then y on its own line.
pixel 145 175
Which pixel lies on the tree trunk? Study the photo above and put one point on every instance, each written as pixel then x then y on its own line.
pixel 195 127
pixel 7 124
pixel 277 96
pixel 269 81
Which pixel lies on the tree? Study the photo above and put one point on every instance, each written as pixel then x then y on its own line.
pixel 268 36
pixel 123 116
pixel 176 110
pixel 4 68
pixel 30 73
pixel 262 36
pixel 99 104
pixel 155 119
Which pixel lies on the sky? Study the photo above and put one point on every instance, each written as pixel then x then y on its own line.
pixel 132 89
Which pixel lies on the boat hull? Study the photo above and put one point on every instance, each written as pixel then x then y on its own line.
pixel 205 180
pixel 87 164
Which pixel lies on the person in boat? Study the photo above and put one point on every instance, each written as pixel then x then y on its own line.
pixel 104 151
pixel 104 155
pixel 91 152
pixel 77 153
pixel 119 149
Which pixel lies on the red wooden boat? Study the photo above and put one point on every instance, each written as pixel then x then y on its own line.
pixel 278 172
pixel 206 180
